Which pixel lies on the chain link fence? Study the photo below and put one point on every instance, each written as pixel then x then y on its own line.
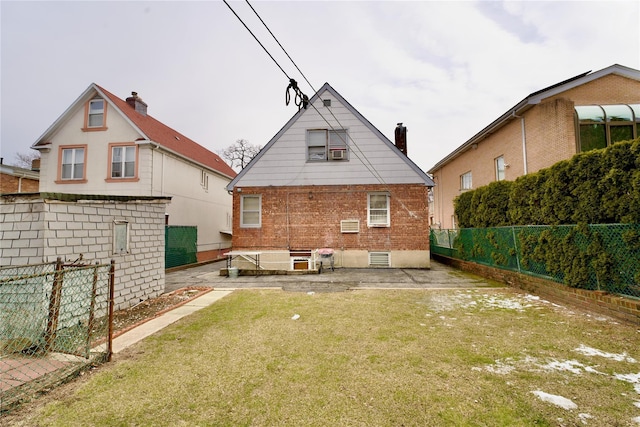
pixel 596 257
pixel 55 320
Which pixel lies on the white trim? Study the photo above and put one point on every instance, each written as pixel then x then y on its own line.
pixel 251 225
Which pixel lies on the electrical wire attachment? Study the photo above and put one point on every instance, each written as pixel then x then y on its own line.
pixel 301 100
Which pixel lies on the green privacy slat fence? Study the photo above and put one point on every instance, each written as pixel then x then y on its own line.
pixel 181 245
pixel 598 257
pixel 54 322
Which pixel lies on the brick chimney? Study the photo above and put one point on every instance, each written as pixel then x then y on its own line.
pixel 137 103
pixel 401 138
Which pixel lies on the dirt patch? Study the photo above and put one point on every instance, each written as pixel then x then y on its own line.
pixel 124 320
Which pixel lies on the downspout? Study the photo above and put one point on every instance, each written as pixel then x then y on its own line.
pixel 524 141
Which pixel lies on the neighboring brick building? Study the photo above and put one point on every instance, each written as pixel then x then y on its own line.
pixel 592 110
pixel 40 227
pixel 330 179
pixel 14 179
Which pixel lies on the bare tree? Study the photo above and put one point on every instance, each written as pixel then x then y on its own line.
pixel 240 154
pixel 24 160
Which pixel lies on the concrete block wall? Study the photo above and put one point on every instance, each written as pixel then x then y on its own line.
pixel 36 230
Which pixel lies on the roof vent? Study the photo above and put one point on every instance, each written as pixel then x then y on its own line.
pixel 137 103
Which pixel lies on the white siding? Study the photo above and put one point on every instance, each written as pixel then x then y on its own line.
pixel 371 160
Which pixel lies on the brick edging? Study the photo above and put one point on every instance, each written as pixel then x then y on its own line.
pixel 618 307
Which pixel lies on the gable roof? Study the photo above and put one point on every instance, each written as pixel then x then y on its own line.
pixel 327 88
pixel 149 129
pixel 535 98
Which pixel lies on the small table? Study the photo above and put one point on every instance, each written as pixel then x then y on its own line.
pixel 253 257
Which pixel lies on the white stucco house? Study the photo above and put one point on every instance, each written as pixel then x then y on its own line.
pixel 108 146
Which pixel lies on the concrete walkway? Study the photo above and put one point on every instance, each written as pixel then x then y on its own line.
pixel 439 276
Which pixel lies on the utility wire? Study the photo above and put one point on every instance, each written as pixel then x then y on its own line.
pixel 365 161
pixel 256 38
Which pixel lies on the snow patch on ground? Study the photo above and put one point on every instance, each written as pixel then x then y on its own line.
pixel 569 365
pixel 588 351
pixel 560 401
pixel 630 378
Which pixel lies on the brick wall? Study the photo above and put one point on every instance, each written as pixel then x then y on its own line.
pixel 15 184
pixel 35 230
pixel 309 217
pixel 625 309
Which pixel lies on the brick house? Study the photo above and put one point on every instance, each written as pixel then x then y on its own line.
pixel 588 111
pixel 330 179
pixel 105 145
pixel 14 179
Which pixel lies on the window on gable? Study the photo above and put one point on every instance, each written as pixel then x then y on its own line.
pixel 378 210
pixel 250 211
pixel 499 163
pixel 72 164
pixel 326 144
pixel 123 161
pixel 465 181
pixel 95 118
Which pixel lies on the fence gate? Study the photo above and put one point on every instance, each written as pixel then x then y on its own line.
pixel 181 245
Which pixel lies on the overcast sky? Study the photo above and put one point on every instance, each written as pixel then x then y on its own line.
pixel 444 69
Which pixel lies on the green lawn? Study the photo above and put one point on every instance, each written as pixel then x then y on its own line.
pixel 368 358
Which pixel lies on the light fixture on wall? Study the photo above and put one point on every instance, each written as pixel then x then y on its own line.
pixel 310 195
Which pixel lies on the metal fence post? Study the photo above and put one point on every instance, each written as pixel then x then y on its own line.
pixel 54 306
pixel 112 281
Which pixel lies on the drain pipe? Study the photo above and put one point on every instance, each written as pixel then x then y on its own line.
pixel 524 140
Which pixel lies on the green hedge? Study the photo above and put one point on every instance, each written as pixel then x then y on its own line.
pixel 596 187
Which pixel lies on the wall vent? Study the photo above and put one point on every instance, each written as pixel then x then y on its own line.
pixel 350 226
pixel 379 259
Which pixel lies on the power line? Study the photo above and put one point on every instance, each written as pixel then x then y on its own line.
pixel 256 38
pixel 303 100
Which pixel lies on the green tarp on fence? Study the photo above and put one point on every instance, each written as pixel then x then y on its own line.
pixel 181 245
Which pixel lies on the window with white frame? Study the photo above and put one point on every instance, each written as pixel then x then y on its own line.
pixel 327 144
pixel 72 163
pixel 499 163
pixel 378 210
pixel 204 180
pixel 95 117
pixel 123 161
pixel 120 237
pixel 465 181
pixel 250 211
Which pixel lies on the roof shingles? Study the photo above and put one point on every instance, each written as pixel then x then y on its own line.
pixel 170 138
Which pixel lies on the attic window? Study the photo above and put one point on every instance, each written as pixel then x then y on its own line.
pixel 95 113
pixel 326 102
pixel 327 144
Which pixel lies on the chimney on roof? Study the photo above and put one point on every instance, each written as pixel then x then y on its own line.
pixel 401 138
pixel 137 103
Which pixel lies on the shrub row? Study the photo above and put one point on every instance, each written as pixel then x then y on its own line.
pixel 596 187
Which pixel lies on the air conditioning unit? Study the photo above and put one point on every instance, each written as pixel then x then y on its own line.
pixel 338 154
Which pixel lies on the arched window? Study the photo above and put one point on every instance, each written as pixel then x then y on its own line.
pixel 602 125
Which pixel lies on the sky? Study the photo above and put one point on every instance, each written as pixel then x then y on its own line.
pixel 446 69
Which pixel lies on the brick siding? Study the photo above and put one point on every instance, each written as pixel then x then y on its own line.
pixel 307 217
pixel 14 184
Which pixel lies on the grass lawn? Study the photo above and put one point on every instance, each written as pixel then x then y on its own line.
pixel 490 357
